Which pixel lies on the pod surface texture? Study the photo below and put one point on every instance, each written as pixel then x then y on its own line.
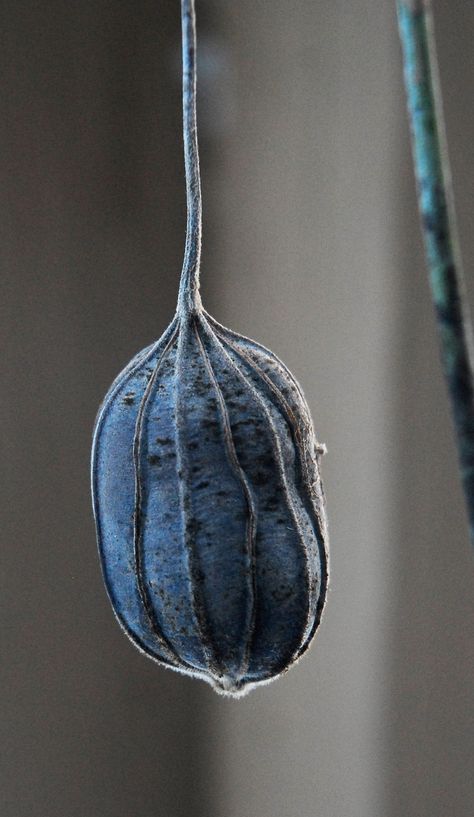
pixel 209 507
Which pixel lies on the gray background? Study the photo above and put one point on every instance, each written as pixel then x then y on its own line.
pixel 311 245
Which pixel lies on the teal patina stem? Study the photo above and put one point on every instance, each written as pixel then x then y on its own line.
pixel 439 225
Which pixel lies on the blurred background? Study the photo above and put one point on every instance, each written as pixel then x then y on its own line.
pixel 312 247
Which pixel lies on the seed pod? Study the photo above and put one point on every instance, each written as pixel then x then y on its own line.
pixel 207 496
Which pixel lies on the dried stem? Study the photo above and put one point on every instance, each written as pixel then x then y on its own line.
pixel 189 300
pixel 439 225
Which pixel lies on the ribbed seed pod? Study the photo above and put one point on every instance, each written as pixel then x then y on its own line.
pixel 207 496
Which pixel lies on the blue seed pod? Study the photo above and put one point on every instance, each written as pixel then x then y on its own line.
pixel 207 496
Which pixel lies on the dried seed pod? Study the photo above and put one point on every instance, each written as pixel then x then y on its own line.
pixel 207 496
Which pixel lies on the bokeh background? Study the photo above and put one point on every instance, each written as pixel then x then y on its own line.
pixel 311 246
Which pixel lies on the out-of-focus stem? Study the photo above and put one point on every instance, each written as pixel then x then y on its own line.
pixel 439 225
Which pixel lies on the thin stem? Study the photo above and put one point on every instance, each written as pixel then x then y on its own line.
pixel 189 299
pixel 439 226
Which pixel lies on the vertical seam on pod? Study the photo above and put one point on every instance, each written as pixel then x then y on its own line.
pixel 227 334
pixel 195 593
pixel 320 532
pixel 173 656
pixel 225 331
pixel 130 371
pixel 143 357
pixel 279 460
pixel 309 487
pixel 251 531
pixel 289 416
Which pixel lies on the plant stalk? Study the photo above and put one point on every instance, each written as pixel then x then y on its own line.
pixel 189 300
pixel 438 221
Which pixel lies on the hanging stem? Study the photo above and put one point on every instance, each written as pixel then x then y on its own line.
pixel 189 299
pixel 439 225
